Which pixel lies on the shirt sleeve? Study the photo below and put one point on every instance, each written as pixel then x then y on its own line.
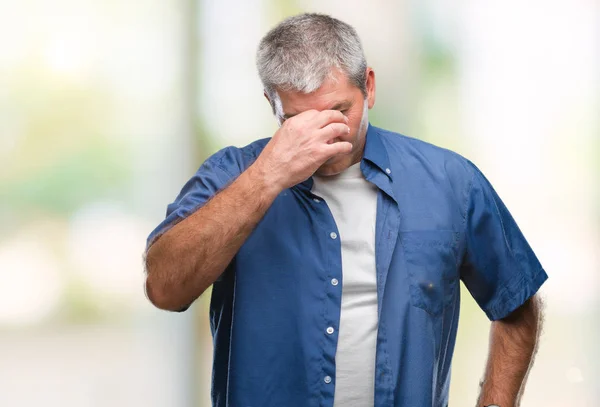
pixel 499 269
pixel 210 178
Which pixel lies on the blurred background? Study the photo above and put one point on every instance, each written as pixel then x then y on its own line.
pixel 108 107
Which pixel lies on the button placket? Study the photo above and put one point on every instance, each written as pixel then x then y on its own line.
pixel 332 296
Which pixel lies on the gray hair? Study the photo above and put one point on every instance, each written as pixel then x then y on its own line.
pixel 301 51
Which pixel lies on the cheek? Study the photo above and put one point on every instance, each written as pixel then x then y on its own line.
pixel 354 120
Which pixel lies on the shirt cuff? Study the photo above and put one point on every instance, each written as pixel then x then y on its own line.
pixel 514 295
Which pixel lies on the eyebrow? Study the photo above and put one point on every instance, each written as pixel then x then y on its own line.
pixel 338 106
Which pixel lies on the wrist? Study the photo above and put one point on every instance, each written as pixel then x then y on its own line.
pixel 269 182
pixel 490 398
pixel 495 400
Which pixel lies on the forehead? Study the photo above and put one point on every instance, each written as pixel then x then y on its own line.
pixel 332 91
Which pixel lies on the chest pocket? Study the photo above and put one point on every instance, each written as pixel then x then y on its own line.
pixel 431 262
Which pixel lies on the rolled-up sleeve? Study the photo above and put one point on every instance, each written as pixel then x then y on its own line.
pixel 499 269
pixel 211 177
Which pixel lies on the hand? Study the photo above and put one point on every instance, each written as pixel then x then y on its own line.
pixel 301 145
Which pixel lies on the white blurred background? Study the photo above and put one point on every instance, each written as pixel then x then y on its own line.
pixel 107 107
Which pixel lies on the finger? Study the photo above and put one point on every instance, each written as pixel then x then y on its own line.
pixel 340 147
pixel 332 131
pixel 326 117
pixel 308 114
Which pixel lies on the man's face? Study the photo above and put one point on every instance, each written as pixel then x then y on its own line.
pixel 338 94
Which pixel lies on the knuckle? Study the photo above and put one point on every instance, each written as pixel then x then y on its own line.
pixel 325 114
pixel 322 150
pixel 333 131
pixel 306 115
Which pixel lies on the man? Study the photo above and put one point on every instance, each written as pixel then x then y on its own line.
pixel 335 248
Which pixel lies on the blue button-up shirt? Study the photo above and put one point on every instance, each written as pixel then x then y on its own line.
pixel 439 221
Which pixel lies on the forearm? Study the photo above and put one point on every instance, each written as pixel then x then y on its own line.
pixel 190 256
pixel 513 343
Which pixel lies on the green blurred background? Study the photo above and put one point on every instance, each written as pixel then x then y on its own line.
pixel 107 107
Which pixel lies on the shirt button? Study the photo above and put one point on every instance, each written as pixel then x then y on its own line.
pixel 316 200
pixel 387 170
pixel 330 330
pixel 334 281
pixel 333 235
pixel 327 379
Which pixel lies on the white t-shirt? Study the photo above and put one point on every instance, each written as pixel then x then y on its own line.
pixel 353 202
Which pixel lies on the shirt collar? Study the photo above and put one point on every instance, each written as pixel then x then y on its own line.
pixel 375 151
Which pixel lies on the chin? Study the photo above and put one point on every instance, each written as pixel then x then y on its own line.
pixel 334 166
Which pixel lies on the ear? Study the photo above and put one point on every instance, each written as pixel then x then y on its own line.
pixel 370 85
